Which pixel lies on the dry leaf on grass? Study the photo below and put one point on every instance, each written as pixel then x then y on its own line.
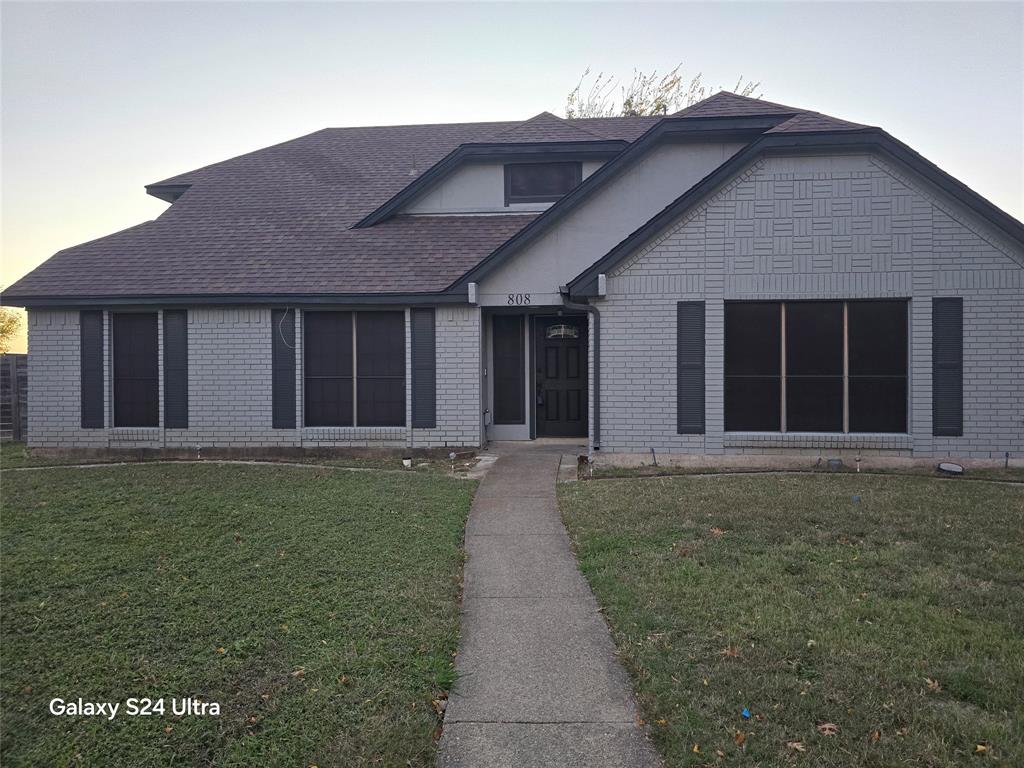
pixel 828 729
pixel 731 652
pixel 796 746
pixel 716 531
pixel 980 749
pixel 741 739
pixel 933 685
pixel 876 736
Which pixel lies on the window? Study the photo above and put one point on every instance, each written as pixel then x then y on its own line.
pixel 509 370
pixel 327 355
pixel 540 182
pixel 354 378
pixel 562 331
pixel 878 366
pixel 380 368
pixel 753 367
pixel 136 370
pixel 816 366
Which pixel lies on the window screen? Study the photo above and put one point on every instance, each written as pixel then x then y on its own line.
pixel 752 366
pixel 814 366
pixel 136 370
pixel 840 375
pixel 540 182
pixel 380 368
pixel 509 370
pixel 877 338
pixel 327 355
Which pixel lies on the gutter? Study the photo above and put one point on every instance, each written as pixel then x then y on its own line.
pixel 595 444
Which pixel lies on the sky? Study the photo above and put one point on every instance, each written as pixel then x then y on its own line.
pixel 99 99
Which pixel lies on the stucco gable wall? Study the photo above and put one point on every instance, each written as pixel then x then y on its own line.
pixel 478 188
pixel 848 226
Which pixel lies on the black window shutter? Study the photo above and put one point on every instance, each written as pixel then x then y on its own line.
pixel 175 369
pixel 947 367
pixel 282 353
pixel 91 324
pixel 424 369
pixel 690 367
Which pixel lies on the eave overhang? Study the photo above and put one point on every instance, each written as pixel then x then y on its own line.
pixel 167 192
pixel 231 299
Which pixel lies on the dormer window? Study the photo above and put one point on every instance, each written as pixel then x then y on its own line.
pixel 540 182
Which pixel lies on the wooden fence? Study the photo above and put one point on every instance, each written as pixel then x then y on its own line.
pixel 13 397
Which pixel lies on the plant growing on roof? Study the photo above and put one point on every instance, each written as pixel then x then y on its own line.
pixel 648 93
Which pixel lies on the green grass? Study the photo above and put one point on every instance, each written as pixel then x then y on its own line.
pixel 835 611
pixel 16 455
pixel 1003 474
pixel 318 608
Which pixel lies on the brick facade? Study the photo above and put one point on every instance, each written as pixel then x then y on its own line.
pixel 229 382
pixel 807 227
pixel 816 227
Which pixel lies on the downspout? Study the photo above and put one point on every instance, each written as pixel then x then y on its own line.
pixel 596 326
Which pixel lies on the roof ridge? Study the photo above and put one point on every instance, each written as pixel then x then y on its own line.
pixel 817 121
pixel 730 95
pixel 548 116
pixel 175 179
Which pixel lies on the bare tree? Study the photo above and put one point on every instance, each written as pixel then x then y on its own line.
pixel 648 93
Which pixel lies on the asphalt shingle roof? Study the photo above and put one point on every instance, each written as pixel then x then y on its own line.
pixel 278 221
pixel 725 104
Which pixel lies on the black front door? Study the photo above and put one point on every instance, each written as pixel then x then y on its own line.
pixel 561 376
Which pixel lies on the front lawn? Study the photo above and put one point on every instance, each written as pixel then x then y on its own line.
pixel 318 607
pixel 860 621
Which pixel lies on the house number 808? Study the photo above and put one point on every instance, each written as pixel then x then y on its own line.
pixel 519 299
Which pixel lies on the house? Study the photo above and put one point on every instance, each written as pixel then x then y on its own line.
pixel 739 277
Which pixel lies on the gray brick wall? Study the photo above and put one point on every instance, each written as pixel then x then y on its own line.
pixel 458 380
pixel 230 387
pixel 805 227
pixel 847 226
pixel 54 392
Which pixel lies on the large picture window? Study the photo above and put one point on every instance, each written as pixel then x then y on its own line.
pixel 816 366
pixel 354 369
pixel 136 370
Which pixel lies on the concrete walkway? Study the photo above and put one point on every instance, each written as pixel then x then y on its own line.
pixel 539 684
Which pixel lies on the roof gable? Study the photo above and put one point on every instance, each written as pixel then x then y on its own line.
pixel 865 139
